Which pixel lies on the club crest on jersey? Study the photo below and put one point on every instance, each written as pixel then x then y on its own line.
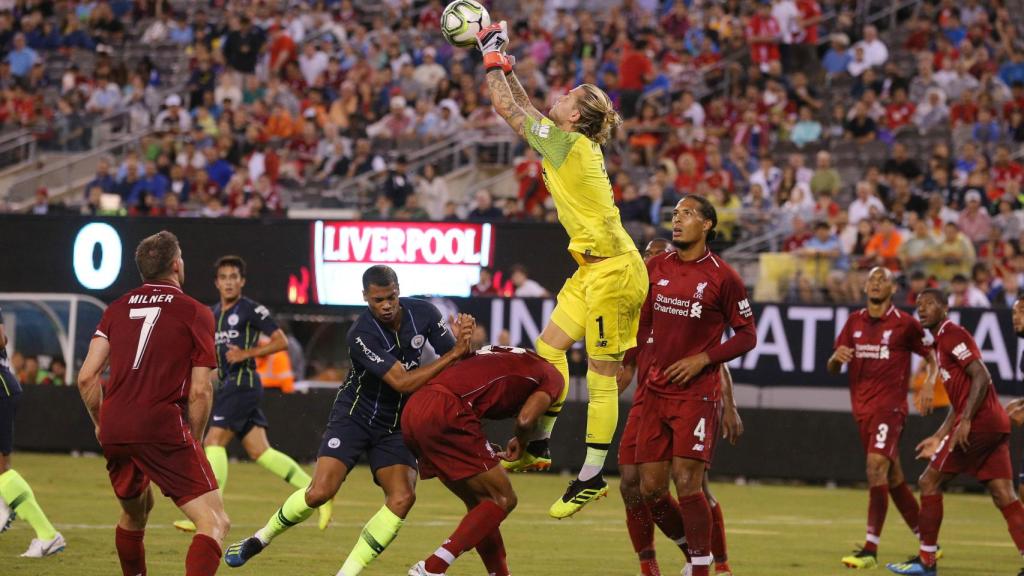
pixel 885 337
pixel 417 341
pixel 699 294
pixel 857 334
pixel 233 320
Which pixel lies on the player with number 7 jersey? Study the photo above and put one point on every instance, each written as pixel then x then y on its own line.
pixel 159 345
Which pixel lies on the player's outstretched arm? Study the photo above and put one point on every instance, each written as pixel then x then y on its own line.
pixel 200 401
pixel 89 377
pixel 504 102
pixel 408 381
pixel 521 97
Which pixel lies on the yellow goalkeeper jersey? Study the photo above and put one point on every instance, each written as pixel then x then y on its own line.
pixel 576 177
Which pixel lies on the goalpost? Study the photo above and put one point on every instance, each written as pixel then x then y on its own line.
pixel 52 320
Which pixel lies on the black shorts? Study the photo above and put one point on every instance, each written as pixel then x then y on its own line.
pixel 8 408
pixel 238 409
pixel 348 437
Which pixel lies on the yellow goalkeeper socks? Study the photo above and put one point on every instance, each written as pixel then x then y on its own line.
pixel 556 358
pixel 602 417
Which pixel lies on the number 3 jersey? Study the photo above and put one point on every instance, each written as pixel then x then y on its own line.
pixel 688 307
pixel 240 325
pixel 880 369
pixel 157 334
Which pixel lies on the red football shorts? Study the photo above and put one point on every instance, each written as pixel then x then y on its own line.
pixel 880 432
pixel 673 428
pixel 181 471
pixel 446 436
pixel 987 457
pixel 627 443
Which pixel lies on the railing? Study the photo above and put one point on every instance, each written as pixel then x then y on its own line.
pixel 16 148
pixel 65 173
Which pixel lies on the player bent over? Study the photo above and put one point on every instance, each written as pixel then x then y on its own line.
pixel 16 497
pixel 385 345
pixel 442 425
pixel 159 343
pixel 694 295
pixel 877 343
pixel 236 404
pixel 974 439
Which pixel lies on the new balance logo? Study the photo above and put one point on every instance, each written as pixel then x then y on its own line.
pixel 663 282
pixel 961 351
pixel 698 448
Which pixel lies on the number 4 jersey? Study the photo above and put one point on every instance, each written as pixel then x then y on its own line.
pixel 157 334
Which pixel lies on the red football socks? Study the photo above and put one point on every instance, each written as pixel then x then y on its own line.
pixel 1014 514
pixel 492 552
pixel 475 526
pixel 718 547
pixel 905 502
pixel 878 505
pixel 669 519
pixel 931 520
pixel 131 551
pixel 641 534
pixel 697 519
pixel 203 556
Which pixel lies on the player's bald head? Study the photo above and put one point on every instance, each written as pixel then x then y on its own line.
pixel 655 247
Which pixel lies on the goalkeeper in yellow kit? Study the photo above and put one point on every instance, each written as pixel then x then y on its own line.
pixel 601 301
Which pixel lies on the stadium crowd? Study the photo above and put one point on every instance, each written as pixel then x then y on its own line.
pixel 896 147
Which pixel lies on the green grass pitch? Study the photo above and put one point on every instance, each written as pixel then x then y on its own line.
pixel 772 530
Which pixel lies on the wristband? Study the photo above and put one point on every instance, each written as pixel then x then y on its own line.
pixel 495 61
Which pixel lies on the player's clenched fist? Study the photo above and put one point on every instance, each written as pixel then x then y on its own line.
pixel 843 354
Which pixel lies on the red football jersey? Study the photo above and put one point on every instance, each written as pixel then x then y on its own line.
pixel 956 350
pixel 880 369
pixel 157 334
pixel 688 307
pixel 496 381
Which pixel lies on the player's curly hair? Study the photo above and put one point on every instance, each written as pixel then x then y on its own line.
pixel 598 118
pixel 156 254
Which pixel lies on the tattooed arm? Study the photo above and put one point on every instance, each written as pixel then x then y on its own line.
pixel 521 97
pixel 504 102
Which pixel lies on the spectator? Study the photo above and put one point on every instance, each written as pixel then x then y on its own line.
pixel 933 112
pixel 433 190
pixel 875 51
pixel 243 45
pixel 383 209
pixel 799 236
pixel 312 63
pixel 397 184
pixel 900 111
pixel 838 56
pixel 861 127
pixel 763 35
pixel 102 179
pixel 634 208
pixel 485 210
pixel 954 254
pixel 994 252
pixel 485 286
pixel 526 287
pixel 900 163
pixel 917 251
pixel 827 265
pixel 635 72
pixel 173 117
pixel 429 73
pixel 826 178
pixel 807 130
pixel 974 222
pixel 21 58
pixel 866 204
pixel 768 176
pixel 1009 222
pixel 757 215
pixel 884 247
pixel 1007 293
pixel 965 294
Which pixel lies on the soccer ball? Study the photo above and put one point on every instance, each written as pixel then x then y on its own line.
pixel 461 21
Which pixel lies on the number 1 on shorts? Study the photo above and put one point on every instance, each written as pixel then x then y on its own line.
pixel 600 327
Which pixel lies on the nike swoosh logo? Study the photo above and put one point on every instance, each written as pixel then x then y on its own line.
pixel 218 418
